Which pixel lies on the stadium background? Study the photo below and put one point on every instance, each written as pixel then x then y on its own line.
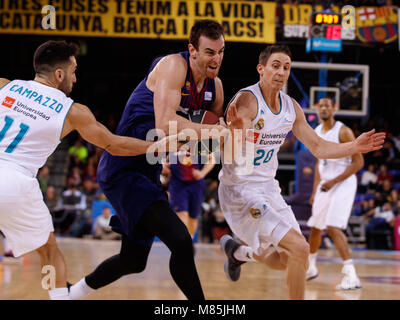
pixel 109 68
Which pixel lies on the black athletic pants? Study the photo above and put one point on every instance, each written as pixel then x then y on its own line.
pixel 158 220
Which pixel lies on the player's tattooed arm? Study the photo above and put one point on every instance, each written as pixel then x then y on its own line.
pixel 80 118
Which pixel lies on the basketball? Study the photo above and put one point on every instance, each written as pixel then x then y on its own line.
pixel 203 116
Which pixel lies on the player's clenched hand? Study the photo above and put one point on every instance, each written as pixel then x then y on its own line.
pixel 369 141
pixel 328 185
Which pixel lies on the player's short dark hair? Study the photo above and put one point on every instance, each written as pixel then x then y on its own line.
pixel 268 51
pixel 52 55
pixel 208 28
pixel 329 98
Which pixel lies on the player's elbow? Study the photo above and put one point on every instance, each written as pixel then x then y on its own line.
pixel 360 162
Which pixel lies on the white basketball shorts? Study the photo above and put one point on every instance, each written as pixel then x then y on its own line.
pixel 333 207
pixel 257 213
pixel 25 219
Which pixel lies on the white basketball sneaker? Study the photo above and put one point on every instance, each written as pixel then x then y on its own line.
pixel 350 280
pixel 312 272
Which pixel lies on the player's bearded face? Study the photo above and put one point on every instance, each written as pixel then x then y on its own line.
pixel 210 55
pixel 69 77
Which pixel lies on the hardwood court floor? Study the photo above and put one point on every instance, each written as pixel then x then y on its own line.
pixel 379 272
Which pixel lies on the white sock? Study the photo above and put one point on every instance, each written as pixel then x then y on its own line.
pixel 312 258
pixel 244 253
pixel 59 294
pixel 79 290
pixel 348 262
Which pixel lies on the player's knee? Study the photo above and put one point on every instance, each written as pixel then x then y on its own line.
pixel 133 266
pixel 49 249
pixel 332 231
pixel 183 243
pixel 300 251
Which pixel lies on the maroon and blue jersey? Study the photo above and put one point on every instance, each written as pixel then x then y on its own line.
pixel 131 183
pixel 191 99
pixel 139 112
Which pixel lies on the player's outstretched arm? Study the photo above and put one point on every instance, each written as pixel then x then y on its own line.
pixel 80 118
pixel 322 149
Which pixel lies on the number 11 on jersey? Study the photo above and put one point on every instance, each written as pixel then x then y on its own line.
pixel 23 130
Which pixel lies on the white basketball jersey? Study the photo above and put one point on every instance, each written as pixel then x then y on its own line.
pixel 32 117
pixel 269 133
pixel 331 168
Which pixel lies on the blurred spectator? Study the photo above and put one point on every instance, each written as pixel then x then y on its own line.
pixel 396 141
pixel 102 229
pixel 366 206
pixel 96 156
pixel 393 197
pixel 75 177
pixel 90 191
pixel 390 154
pixel 375 157
pixel 90 171
pixel 78 152
pixel 43 178
pixel 384 174
pixel 396 208
pixel 51 199
pixel 82 226
pixel 385 189
pixel 369 179
pixel 72 203
pixel 380 227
